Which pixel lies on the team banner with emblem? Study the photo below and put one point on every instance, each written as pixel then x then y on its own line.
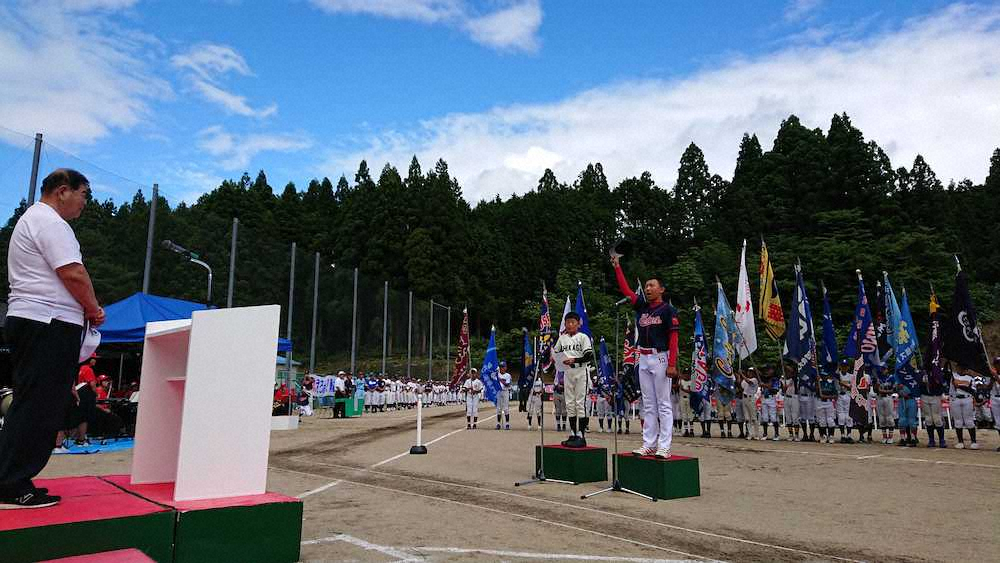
pixel 527 363
pixel 462 359
pixel 963 342
pixel 935 375
pixel 630 364
pixel 581 309
pixel 699 364
pixel 829 358
pixel 743 313
pixel 545 336
pixel 490 372
pixel 902 339
pixel 726 336
pixel 862 346
pixel 769 305
pixel 605 370
pixel 801 340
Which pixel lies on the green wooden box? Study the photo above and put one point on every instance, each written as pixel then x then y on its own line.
pixel 674 477
pixel 577 465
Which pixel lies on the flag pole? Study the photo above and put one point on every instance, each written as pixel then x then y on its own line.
pixel 539 475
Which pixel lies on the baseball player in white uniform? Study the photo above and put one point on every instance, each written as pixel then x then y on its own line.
pixel 684 404
pixel 535 402
pixel 886 408
pixel 472 388
pixel 750 386
pixel 827 392
pixel 769 403
pixel 791 400
pixel 961 406
pixel 844 419
pixel 578 354
pixel 503 397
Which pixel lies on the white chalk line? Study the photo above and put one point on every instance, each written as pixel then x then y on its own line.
pixel 319 489
pixel 401 552
pixel 516 515
pixel 385 550
pixel 602 512
pixel 840 455
pixel 406 453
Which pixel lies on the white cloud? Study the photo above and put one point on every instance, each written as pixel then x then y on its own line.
pixel 68 71
pixel 930 87
pixel 515 27
pixel 512 27
pixel 236 151
pixel 798 10
pixel 205 64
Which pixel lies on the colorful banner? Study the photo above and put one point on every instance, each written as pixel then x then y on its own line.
pixel 743 312
pixel 462 359
pixel 769 305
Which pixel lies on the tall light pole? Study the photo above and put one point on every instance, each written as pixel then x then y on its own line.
pixel 232 264
pixel 354 325
pixel 150 231
pixel 192 257
pixel 312 340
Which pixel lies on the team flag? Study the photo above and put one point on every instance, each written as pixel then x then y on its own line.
pixel 743 313
pixel 829 358
pixel 902 338
pixel 935 375
pixel 462 359
pixel 726 335
pixel 963 341
pixel 801 339
pixel 490 372
pixel 566 310
pixel 769 305
pixel 881 325
pixel 545 337
pixel 605 369
pixel 699 364
pixel 630 364
pixel 581 309
pixel 527 363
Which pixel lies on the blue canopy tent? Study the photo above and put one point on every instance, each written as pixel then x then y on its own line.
pixel 126 320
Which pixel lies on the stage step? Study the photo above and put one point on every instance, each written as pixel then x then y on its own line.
pixel 93 517
pixel 576 465
pixel 674 477
pixel 116 556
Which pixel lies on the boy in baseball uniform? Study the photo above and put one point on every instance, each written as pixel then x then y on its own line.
pixel 684 402
pixel 472 388
pixel 769 402
pixel 578 354
pixel 503 397
pixel 534 406
pixel 824 406
pixel 559 399
pixel 886 407
pixel 846 380
pixel 789 391
pixel 961 406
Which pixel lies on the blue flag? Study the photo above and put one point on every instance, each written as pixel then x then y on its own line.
pixel 801 340
pixel 527 364
pixel 699 364
pixel 903 340
pixel 829 337
pixel 724 349
pixel 491 369
pixel 605 369
pixel 581 309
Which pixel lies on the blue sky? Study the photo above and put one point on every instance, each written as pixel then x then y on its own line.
pixel 134 92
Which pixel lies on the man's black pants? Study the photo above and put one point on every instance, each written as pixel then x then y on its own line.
pixel 522 399
pixel 44 358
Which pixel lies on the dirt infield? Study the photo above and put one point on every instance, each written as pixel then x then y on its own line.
pixel 366 499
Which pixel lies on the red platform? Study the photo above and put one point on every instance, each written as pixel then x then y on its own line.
pixel 163 493
pixel 116 556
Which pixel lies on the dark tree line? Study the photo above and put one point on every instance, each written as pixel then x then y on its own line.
pixel 832 200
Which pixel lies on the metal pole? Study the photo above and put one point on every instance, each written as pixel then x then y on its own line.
pixel 288 326
pixel 34 168
pixel 354 324
pixel 447 348
pixel 312 341
pixel 385 323
pixel 232 264
pixel 203 264
pixel 150 229
pixel 409 336
pixel 430 346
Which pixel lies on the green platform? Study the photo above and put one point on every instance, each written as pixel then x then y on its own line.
pixel 675 477
pixel 93 517
pixel 576 465
pixel 264 532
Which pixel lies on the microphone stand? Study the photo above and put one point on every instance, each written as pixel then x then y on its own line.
pixel 539 475
pixel 616 485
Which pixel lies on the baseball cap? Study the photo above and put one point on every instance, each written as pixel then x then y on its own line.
pixel 503 364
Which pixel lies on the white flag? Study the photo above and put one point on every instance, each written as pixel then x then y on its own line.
pixel 566 310
pixel 743 310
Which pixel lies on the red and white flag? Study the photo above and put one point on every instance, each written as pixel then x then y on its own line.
pixel 462 359
pixel 743 310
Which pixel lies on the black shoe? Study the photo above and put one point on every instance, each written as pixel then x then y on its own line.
pixel 29 500
pixel 848 440
pixel 568 442
pixel 580 442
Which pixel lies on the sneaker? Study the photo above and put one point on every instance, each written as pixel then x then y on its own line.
pixel 662 453
pixel 776 439
pixel 619 430
pixel 29 500
pixel 644 451
pixel 974 446
pixel 498 426
pixel 848 440
pixel 931 444
pixel 506 427
pixel 829 439
pixel 468 427
pixel 530 427
pixel 943 444
pixel 60 450
pixel 959 445
pixel 903 442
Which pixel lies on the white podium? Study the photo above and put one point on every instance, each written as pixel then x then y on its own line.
pixel 204 417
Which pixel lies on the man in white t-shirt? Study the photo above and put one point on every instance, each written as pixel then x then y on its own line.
pixel 50 297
